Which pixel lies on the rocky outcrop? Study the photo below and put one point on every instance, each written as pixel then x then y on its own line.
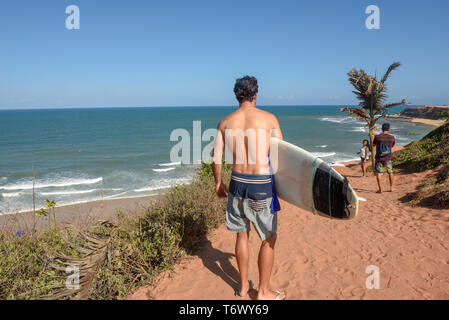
pixel 427 112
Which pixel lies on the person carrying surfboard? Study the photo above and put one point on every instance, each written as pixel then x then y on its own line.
pixel 245 133
pixel 384 144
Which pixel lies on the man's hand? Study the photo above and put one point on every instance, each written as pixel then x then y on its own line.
pixel 221 190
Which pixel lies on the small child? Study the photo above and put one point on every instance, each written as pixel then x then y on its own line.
pixel 364 154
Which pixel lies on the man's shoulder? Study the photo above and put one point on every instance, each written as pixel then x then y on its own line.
pixel 388 136
pixel 266 115
pixel 263 112
pixel 384 136
pixel 228 120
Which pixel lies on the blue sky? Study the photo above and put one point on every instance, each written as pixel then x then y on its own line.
pixel 170 53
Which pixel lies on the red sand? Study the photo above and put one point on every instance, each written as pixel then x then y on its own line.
pixel 318 258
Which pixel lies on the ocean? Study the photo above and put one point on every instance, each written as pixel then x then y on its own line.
pixel 81 155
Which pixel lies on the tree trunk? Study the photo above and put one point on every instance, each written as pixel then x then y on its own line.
pixel 373 150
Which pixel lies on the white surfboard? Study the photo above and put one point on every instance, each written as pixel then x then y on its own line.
pixel 309 183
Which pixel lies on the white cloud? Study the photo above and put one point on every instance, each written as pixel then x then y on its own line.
pixel 287 97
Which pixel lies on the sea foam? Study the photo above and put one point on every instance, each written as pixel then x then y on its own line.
pixel 324 154
pixel 336 119
pixel 10 195
pixel 163 170
pixel 69 192
pixel 358 129
pixel 169 164
pixel 58 184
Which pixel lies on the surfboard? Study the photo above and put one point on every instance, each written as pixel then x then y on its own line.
pixel 310 183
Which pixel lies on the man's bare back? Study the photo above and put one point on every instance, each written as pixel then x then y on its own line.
pixel 246 133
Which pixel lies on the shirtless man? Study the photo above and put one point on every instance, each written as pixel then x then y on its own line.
pixel 246 135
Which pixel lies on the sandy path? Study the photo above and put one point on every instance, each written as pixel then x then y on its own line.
pixel 318 258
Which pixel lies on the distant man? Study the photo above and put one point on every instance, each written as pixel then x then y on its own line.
pixel 246 135
pixel 384 144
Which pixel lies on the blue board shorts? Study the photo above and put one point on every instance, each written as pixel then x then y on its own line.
pixel 249 200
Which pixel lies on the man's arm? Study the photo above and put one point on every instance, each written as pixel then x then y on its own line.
pixel 219 148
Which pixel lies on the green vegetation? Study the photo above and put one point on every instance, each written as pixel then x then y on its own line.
pixel 430 152
pixel 46 212
pixel 24 260
pixel 427 153
pixel 113 259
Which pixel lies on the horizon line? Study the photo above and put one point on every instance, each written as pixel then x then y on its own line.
pixel 184 106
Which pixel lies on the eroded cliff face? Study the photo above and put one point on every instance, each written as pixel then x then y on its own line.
pixel 427 112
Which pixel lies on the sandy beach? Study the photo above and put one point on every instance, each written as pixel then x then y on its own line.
pixel 430 122
pixel 77 215
pixel 319 258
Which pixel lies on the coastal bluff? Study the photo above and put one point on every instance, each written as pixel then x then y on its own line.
pixel 430 115
pixel 427 112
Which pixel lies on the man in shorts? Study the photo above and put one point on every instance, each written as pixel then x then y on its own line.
pixel 246 135
pixel 384 144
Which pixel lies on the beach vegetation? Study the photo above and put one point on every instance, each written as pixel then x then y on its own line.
pixel 113 259
pixel 428 153
pixel 431 152
pixel 46 212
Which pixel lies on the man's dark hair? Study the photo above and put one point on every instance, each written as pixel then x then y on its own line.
pixel 245 89
pixel 386 127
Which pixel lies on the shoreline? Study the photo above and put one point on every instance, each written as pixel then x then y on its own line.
pixel 430 122
pixel 70 204
pixel 79 214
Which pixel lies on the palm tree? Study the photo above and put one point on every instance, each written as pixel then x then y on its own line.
pixel 372 95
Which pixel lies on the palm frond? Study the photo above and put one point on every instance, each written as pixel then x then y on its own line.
pixel 359 113
pixel 94 252
pixel 392 67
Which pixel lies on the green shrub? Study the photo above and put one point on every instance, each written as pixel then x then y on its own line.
pixel 427 153
pixel 24 271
